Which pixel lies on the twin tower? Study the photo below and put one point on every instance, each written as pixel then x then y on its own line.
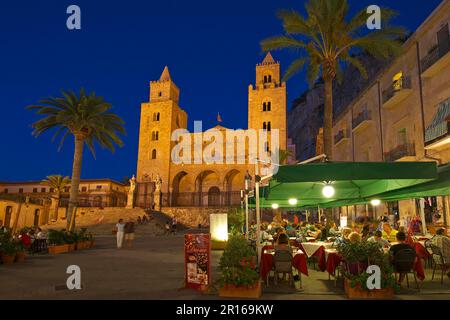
pixel 162 115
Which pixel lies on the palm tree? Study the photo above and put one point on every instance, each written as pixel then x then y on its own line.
pixel 57 183
pixel 88 120
pixel 326 39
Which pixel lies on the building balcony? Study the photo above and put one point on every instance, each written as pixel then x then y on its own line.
pixel 398 91
pixel 403 152
pixel 437 135
pixel 436 59
pixel 363 120
pixel 341 137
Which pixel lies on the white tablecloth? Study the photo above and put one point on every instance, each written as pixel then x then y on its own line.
pixel 311 247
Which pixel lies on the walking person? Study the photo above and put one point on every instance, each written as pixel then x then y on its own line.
pixel 120 228
pixel 167 226
pixel 174 225
pixel 129 232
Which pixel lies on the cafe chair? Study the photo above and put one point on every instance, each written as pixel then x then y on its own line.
pixel 283 265
pixel 403 264
pixel 438 261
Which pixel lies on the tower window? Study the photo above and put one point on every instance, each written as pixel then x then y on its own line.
pixel 268 126
pixel 264 126
pixel 270 79
pixel 154 154
pixel 264 106
pixel 269 105
pixel 157 116
pixel 159 94
pixel 265 79
pixel 155 135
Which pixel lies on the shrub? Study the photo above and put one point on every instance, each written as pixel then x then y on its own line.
pixel 237 263
pixel 56 237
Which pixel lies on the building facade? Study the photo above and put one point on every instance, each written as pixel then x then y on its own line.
pixel 195 182
pixel 403 113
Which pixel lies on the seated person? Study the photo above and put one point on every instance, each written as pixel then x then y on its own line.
pixel 282 243
pixel 388 233
pixel 26 240
pixel 39 234
pixel 334 230
pixel 354 237
pixel 265 236
pixel 377 237
pixel 401 239
pixel 442 242
pixel 365 233
pixel 315 231
pixel 343 239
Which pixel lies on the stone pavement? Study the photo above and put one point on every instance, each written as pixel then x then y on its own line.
pixel 152 269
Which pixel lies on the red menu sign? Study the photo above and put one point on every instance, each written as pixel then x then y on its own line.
pixel 197 254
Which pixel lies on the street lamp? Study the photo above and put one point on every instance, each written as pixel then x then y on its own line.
pixel 375 203
pixel 292 201
pixel 275 206
pixel 247 180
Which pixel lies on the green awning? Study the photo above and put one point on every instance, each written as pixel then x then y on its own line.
pixel 437 187
pixel 354 182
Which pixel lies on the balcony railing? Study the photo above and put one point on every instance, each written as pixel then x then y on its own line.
pixel 401 151
pixel 433 56
pixel 397 86
pixel 360 118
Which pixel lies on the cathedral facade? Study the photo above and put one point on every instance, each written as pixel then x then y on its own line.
pixel 200 183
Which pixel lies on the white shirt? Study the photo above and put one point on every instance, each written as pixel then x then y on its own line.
pixel 120 227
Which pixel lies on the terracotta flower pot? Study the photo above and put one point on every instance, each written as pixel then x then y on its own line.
pixel 58 249
pixel 20 256
pixel 232 291
pixel 358 293
pixel 8 258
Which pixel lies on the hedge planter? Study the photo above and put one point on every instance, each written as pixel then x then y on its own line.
pixel 358 293
pixel 81 245
pixel 20 256
pixel 232 291
pixel 63 248
pixel 72 247
pixel 8 258
pixel 91 243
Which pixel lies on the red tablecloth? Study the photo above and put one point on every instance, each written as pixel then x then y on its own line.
pixel 418 268
pixel 333 261
pixel 320 254
pixel 298 262
pixel 421 251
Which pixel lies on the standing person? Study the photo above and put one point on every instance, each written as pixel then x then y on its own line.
pixel 129 232
pixel 167 227
pixel 174 225
pixel 120 228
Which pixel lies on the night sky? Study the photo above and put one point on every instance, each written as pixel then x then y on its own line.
pixel 211 48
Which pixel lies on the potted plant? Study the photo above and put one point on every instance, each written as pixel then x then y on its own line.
pixel 90 239
pixel 9 251
pixel 20 251
pixel 239 278
pixel 357 257
pixel 56 242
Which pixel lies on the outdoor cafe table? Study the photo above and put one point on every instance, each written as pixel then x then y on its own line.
pixel 333 259
pixel 316 249
pixel 267 262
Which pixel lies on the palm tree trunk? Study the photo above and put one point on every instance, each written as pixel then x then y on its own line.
pixel 328 119
pixel 75 182
pixel 55 215
pixel 16 220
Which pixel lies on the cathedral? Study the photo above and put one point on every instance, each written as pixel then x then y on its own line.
pixel 203 184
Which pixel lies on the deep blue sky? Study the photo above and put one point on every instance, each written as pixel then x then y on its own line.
pixel 211 47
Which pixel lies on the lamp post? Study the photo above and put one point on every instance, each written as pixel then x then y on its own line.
pixel 247 179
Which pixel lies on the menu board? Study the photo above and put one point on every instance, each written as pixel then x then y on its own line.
pixel 197 253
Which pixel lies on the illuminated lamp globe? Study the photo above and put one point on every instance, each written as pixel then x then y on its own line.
pixel 293 202
pixel 328 191
pixel 375 202
pixel 275 206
